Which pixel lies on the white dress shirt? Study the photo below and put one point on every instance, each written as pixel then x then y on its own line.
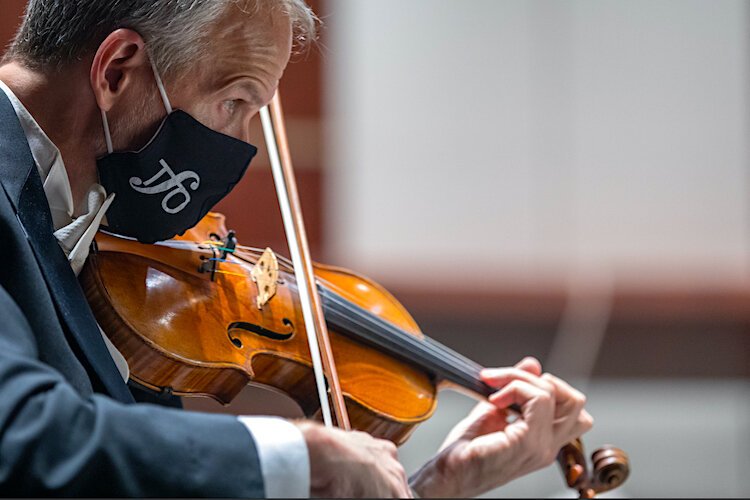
pixel 284 460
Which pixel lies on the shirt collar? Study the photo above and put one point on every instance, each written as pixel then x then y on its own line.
pixel 48 161
pixel 75 237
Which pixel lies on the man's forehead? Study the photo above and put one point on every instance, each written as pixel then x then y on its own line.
pixel 241 29
pixel 246 41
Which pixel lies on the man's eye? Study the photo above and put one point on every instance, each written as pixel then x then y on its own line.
pixel 231 105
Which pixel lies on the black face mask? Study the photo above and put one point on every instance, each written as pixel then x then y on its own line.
pixel 168 186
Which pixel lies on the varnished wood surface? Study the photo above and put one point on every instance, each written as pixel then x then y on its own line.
pixel 171 322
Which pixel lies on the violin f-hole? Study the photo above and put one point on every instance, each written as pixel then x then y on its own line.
pixel 259 330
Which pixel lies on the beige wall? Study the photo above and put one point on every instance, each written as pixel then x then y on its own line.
pixel 491 144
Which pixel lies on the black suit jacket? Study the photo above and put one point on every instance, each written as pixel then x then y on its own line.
pixel 68 424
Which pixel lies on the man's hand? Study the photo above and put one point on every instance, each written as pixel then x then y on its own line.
pixel 485 451
pixel 352 464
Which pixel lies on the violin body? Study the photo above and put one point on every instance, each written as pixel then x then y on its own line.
pixel 197 333
pixel 198 316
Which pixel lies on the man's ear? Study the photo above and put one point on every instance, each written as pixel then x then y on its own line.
pixel 115 63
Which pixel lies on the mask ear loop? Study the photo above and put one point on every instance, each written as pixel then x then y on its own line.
pixel 160 85
pixel 164 98
pixel 107 135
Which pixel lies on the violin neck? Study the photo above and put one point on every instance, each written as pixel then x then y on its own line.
pixel 429 355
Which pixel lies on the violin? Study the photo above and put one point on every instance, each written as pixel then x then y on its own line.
pixel 201 315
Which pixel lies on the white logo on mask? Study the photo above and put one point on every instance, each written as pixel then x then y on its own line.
pixel 173 184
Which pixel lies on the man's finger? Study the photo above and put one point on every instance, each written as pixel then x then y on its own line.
pixel 568 400
pixel 567 430
pixel 519 392
pixel 401 488
pixel 531 365
pixel 500 377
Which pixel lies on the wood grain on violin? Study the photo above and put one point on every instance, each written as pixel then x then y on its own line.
pixel 180 330
pixel 196 317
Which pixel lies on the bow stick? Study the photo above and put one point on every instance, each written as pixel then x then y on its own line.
pixel 324 367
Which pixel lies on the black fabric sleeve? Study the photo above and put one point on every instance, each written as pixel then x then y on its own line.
pixel 55 442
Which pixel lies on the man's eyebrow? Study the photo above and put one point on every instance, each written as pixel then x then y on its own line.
pixel 252 91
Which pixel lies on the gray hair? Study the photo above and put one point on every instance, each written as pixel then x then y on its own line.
pixel 58 32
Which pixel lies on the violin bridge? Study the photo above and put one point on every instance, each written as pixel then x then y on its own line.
pixel 265 274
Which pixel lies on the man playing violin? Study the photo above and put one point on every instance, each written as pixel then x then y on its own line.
pixel 92 95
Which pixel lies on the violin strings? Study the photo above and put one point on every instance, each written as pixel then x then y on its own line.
pixel 225 261
pixel 218 245
pixel 447 359
pixel 428 342
pixel 444 360
pixel 437 349
pixel 219 271
pixel 458 368
pixel 467 367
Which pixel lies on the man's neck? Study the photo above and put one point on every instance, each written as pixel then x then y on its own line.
pixel 64 107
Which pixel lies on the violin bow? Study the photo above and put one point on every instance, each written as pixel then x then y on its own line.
pixel 611 465
pixel 324 367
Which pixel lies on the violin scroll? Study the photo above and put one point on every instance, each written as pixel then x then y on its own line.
pixel 611 467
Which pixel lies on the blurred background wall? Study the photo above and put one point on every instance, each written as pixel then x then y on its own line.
pixel 566 179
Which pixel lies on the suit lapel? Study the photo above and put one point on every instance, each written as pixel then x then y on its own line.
pixel 24 187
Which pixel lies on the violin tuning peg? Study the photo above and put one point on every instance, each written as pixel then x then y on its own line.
pixel 573 463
